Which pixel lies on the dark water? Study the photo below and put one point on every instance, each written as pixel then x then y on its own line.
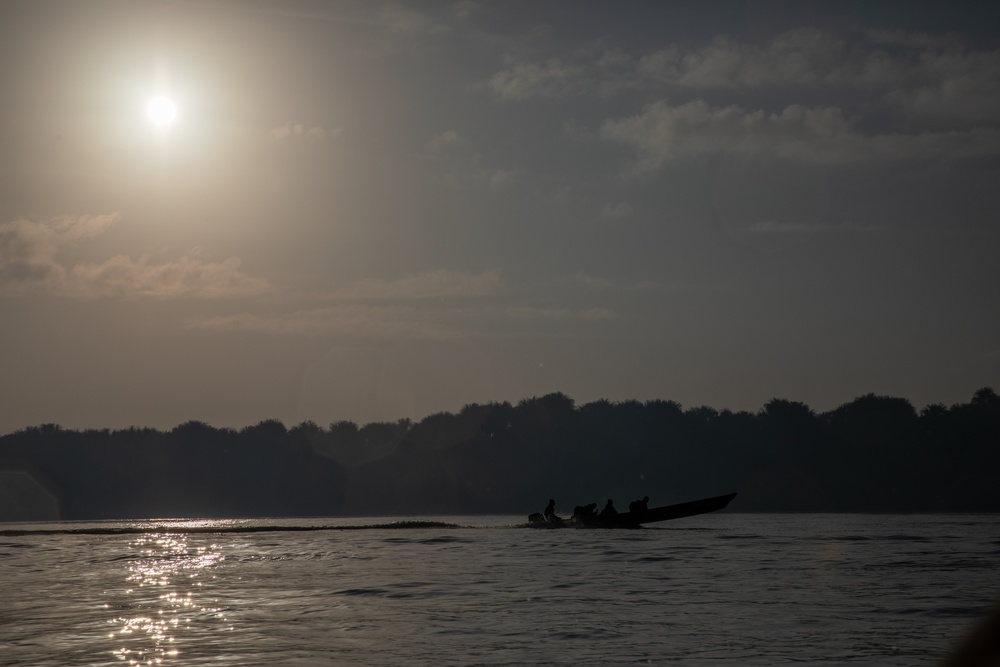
pixel 723 589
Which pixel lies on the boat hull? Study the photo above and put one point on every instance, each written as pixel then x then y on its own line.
pixel 636 519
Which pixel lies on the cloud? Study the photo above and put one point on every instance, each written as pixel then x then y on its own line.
pixel 188 276
pixel 346 320
pixel 591 281
pixel 382 321
pixel 796 58
pixel 502 177
pixel 769 227
pixel 534 313
pixel 920 74
pixel 496 179
pixel 464 9
pixel 425 285
pixel 552 78
pixel 297 131
pixel 404 20
pixel 955 85
pixel 28 248
pixel 606 284
pixel 616 211
pixel 896 37
pixel 662 133
pixel 439 143
pixel 417 306
pixel 800 57
pixel 460 169
pixel 32 259
pixel 932 76
pixel 563 193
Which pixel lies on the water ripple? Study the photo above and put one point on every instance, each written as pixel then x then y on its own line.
pixel 731 590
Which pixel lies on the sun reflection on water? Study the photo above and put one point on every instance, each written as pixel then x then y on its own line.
pixel 164 598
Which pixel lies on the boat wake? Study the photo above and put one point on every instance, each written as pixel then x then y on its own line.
pixel 214 528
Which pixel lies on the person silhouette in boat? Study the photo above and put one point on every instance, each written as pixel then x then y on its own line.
pixel 639 506
pixel 550 510
pixel 609 509
pixel 584 512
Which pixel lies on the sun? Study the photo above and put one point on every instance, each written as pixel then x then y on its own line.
pixel 162 111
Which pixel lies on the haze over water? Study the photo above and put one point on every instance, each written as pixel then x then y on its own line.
pixel 718 589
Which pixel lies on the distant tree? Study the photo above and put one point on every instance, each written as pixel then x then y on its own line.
pixel 268 429
pixel 875 453
pixel 792 428
pixel 193 430
pixel 701 415
pixel 497 423
pixel 308 435
pixel 934 411
pixel 987 399
pixel 787 412
pixel 871 412
pixel 380 439
pixel 547 410
pixel 343 429
pixel 438 431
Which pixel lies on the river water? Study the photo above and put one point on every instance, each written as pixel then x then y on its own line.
pixel 719 589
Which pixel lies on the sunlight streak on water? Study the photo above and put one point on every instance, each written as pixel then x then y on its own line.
pixel 164 596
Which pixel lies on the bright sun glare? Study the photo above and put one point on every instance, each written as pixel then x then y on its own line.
pixel 162 111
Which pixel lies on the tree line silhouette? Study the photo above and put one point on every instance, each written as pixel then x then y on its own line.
pixel 873 454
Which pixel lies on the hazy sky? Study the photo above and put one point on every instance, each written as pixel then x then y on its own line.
pixel 373 210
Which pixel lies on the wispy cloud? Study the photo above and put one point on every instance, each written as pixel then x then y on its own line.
pixel 603 283
pixel 616 211
pixel 33 259
pixel 552 78
pixel 404 19
pixel 934 76
pixel 368 321
pixel 955 85
pixel 443 141
pixel 536 313
pixel 396 321
pixel 424 285
pixel 450 153
pixel 494 179
pixel 187 276
pixel 769 227
pixel 427 305
pixel 28 248
pixel 662 133
pixel 800 57
pixel 297 131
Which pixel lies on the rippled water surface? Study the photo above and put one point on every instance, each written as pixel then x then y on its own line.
pixel 722 589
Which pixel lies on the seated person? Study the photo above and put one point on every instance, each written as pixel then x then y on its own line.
pixel 550 509
pixel 609 509
pixel 639 506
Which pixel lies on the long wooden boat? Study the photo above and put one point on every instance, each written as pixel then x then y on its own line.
pixel 635 519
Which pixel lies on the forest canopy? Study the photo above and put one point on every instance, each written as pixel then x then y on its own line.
pixel 873 454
